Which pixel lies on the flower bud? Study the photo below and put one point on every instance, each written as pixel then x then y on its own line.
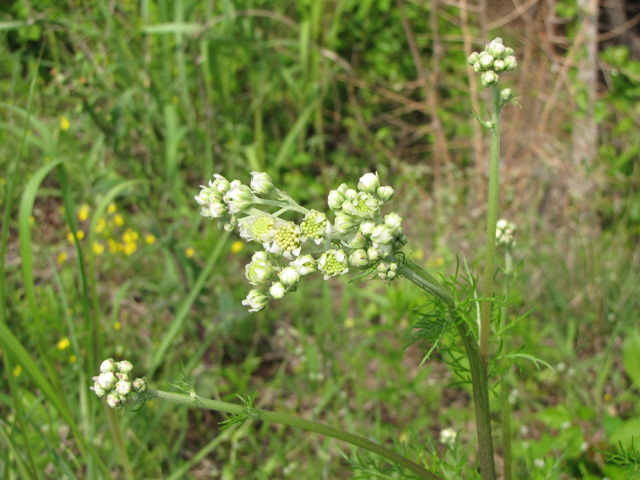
pixel 369 183
pixel 359 259
pixel 261 183
pixel 140 384
pixel 304 264
pixel 366 227
pixel 99 391
pixel 473 58
pixel 382 235
pixel 220 184
pixel 373 253
pixel 108 365
pixel 489 78
pixel 113 400
pixel 385 193
pixel 506 95
pixel 393 221
pixel 239 198
pixel 258 271
pixel 343 223
pixel 366 205
pixel 510 63
pixel 123 388
pixel 124 366
pixel 496 49
pixel 485 61
pixel 106 380
pixel 355 240
pixel 336 199
pixel 350 194
pixel 289 277
pixel 217 209
pixel 256 300
pixel 277 291
pixel 498 66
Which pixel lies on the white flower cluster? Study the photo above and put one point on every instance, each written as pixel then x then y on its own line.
pixel 505 233
pixel 115 383
pixel 360 237
pixel 495 59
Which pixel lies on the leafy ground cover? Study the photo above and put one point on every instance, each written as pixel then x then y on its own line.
pixel 116 112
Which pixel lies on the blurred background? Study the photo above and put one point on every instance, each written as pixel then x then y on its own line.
pixel 115 112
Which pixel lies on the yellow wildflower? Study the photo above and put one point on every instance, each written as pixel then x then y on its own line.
pixel 129 236
pixel 118 220
pixel 237 246
pixel 117 325
pixel 79 234
pixel 70 238
pixel 98 248
pixel 129 248
pixel 111 208
pixel 83 212
pixel 190 252
pixel 150 239
pixel 72 359
pixel 114 247
pixel 64 123
pixel 17 370
pixel 100 225
pixel 63 343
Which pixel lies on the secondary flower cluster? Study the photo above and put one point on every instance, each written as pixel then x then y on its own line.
pixel 505 233
pixel 495 59
pixel 359 237
pixel 114 382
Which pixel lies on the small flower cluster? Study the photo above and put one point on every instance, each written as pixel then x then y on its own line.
pixel 114 383
pixel 360 237
pixel 505 233
pixel 495 59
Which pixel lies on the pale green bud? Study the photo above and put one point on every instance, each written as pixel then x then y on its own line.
pixel 505 233
pixel 393 221
pixel 140 385
pixel 496 49
pixel 485 61
pixel 124 366
pixel 473 58
pixel 506 95
pixel 220 184
pixel 355 240
pixel 343 223
pixel 385 193
pixel 258 272
pixel 384 250
pixel 289 277
pixel 99 391
pixel 366 227
pixel 369 183
pixel 350 194
pixel 477 67
pixel 239 198
pixel 277 290
pixel 106 380
pixel 373 253
pixel 261 183
pixel 256 300
pixel 108 365
pixel 498 66
pixel 381 235
pixel 359 259
pixel 123 388
pixel 510 63
pixel 113 400
pixel 349 207
pixel 336 199
pixel 217 209
pixel 304 264
pixel 489 78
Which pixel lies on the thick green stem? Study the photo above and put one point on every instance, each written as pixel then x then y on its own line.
pixel 285 419
pixel 492 219
pixel 419 276
pixel 505 407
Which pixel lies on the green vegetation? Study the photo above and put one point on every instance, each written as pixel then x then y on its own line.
pixel 115 112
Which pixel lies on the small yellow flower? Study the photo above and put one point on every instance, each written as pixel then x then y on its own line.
pixel 79 234
pixel 190 252
pixel 117 325
pixel 98 248
pixel 349 323
pixel 149 239
pixel 64 123
pixel 32 219
pixel 100 225
pixel 129 248
pixel 62 257
pixel 63 343
pixel 17 370
pixel 83 212
pixel 70 238
pixel 72 359
pixel 111 208
pixel 114 247
pixel 237 246
pixel 607 397
pixel 118 220
pixel 129 236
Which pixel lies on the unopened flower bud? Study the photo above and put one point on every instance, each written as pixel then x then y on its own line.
pixel 239 198
pixel 113 400
pixel 369 183
pixel 277 290
pixel 366 227
pixel 385 193
pixel 108 365
pixel 485 61
pixel 393 221
pixel 496 49
pixel 124 366
pixel 304 264
pixel 99 391
pixel 506 95
pixel 289 277
pixel 473 58
pixel 140 385
pixel 343 223
pixel 261 183
pixel 498 66
pixel 220 184
pixel 489 78
pixel 350 194
pixel 510 63
pixel 256 300
pixel 336 199
pixel 106 380
pixel 359 259
pixel 123 387
pixel 382 235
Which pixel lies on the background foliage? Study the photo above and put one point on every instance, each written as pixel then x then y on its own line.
pixel 115 112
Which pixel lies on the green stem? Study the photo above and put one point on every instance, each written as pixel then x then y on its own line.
pixel 492 219
pixel 293 421
pixel 504 387
pixel 419 276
